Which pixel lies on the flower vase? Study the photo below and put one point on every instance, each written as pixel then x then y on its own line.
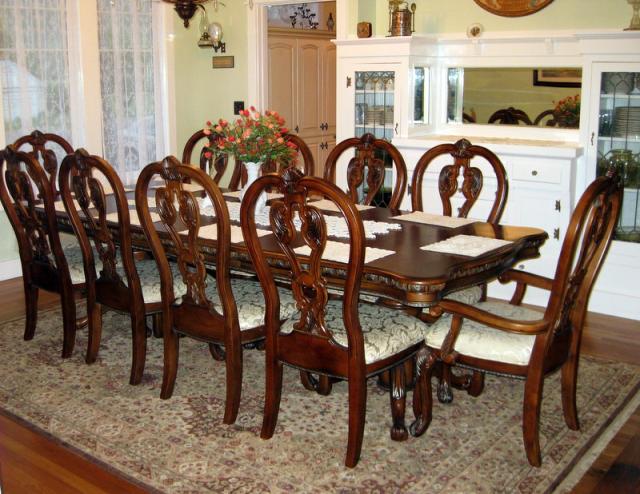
pixel 253 171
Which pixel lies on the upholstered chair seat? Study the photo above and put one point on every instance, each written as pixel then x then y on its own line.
pixel 483 342
pixel 471 295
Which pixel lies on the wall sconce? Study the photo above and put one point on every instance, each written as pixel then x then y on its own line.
pixel 186 9
pixel 211 34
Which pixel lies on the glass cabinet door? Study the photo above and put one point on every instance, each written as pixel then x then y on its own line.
pixel 618 144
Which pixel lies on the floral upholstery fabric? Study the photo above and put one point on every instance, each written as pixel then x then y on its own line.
pixel 250 301
pixel 469 296
pixel 73 254
pixel 480 341
pixel 386 331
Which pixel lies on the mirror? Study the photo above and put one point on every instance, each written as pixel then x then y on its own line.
pixel 543 97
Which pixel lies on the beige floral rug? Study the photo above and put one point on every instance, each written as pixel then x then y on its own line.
pixel 181 445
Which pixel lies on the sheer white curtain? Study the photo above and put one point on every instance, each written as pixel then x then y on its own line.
pixel 126 43
pixel 34 68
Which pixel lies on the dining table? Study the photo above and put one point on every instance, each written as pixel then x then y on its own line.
pixel 417 258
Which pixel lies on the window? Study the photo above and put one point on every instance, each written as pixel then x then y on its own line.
pixel 43 55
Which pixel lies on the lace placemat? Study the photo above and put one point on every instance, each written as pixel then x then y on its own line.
pixel 133 216
pixel 434 219
pixel 211 232
pixel 336 225
pixel 339 252
pixel 59 205
pixel 236 194
pixel 327 205
pixel 466 245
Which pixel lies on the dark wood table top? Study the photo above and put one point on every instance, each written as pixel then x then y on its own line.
pixel 411 276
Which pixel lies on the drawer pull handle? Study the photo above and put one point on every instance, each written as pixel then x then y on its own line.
pixel 556 233
pixel 534 172
pixel 558 207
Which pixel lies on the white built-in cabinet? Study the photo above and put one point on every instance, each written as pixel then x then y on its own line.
pixel 302 74
pixel 547 169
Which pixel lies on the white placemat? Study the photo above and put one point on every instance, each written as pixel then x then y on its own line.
pixel 236 195
pixel 211 232
pixel 327 205
pixel 339 252
pixel 466 245
pixel 133 216
pixel 434 219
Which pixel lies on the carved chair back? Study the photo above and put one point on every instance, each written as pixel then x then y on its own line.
pixel 23 187
pixel 311 344
pixel 552 122
pixel 583 251
pixel 510 116
pixel 82 185
pixel 181 219
pixel 215 162
pixel 462 152
pixel 43 148
pixel 367 164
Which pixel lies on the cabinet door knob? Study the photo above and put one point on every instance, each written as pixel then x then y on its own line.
pixel 534 172
pixel 396 129
pixel 297 129
pixel 558 207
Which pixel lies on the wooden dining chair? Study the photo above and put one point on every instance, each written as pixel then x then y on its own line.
pixel 344 339
pixel 551 122
pixel 462 152
pixel 368 164
pixel 24 187
pixel 508 339
pixel 216 164
pixel 116 277
pixel 510 116
pixel 227 313
pixel 45 148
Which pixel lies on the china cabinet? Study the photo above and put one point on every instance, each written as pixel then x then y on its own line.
pixel 548 167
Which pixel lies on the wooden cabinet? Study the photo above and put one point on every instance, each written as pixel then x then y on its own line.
pixel 302 73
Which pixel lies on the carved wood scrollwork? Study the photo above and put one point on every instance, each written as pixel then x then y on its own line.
pixel 365 158
pixel 20 186
pixel 89 193
pixel 178 208
pixel 471 184
pixel 308 285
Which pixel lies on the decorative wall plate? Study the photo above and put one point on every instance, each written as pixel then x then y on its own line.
pixel 513 8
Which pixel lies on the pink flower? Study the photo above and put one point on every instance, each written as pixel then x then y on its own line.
pixel 208 154
pixel 206 132
pixel 280 140
pixel 218 128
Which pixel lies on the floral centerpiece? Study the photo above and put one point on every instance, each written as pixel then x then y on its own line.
pixel 255 137
pixel 567 111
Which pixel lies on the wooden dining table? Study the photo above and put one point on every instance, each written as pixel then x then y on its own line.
pixel 409 276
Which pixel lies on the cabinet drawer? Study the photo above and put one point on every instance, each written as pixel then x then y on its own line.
pixel 530 171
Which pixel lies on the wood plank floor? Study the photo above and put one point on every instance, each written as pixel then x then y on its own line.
pixel 31 463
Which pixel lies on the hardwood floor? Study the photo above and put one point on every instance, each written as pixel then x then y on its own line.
pixel 31 463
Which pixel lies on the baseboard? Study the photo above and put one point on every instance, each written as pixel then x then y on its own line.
pixel 10 269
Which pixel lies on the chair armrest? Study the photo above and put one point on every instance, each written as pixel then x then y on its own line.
pixel 526 278
pixel 534 327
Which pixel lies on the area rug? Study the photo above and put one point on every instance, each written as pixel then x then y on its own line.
pixel 180 445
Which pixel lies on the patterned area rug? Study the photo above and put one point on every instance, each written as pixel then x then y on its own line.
pixel 181 445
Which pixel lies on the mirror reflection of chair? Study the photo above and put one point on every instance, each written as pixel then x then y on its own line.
pixel 510 116
pixel 551 122
pixel 23 187
pixel 227 313
pixel 462 152
pixel 466 118
pixel 117 277
pixel 47 149
pixel 366 171
pixel 218 161
pixel 345 339
pixel 506 338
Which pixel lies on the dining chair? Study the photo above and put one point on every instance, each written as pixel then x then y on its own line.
pixel 24 187
pixel 215 163
pixel 462 152
pixel 510 116
pixel 116 276
pixel 43 147
pixel 344 339
pixel 227 313
pixel 369 163
pixel 505 338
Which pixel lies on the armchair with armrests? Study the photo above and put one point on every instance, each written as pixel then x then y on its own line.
pixel 507 338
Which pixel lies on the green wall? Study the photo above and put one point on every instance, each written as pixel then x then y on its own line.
pixel 8 244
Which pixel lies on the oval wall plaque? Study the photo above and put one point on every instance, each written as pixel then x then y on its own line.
pixel 513 8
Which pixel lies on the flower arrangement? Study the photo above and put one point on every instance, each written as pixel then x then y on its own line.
pixel 567 111
pixel 254 137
